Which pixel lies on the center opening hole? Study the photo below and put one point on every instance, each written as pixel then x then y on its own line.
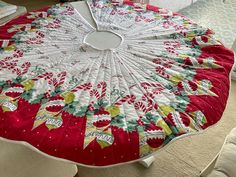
pixel 103 40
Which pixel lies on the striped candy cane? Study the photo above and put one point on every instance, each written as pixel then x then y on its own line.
pixel 103 85
pixel 151 105
pixel 46 76
pixel 147 96
pixel 39 34
pixel 7 59
pixel 140 106
pixel 91 107
pixel 17 71
pixel 86 86
pixel 53 81
pixel 17 53
pixel 95 93
pixel 62 77
pixel 128 98
pixel 25 66
pixel 146 85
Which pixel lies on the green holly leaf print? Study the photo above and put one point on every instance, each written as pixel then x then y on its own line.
pixel 204 121
pixel 38 99
pixel 18 80
pixel 82 112
pixel 6 86
pixel 1 50
pixel 56 91
pixel 70 108
pixel 168 138
pixel 53 93
pixel 2 83
pixel 96 106
pixel 145 121
pixel 53 11
pixel 140 129
pixel 181 104
pixel 45 100
pixel 132 125
pixel 27 95
pixel 149 117
pixel 100 103
pixel 119 121
pixel 129 8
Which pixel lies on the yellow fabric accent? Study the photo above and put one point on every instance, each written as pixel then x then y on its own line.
pixel 68 97
pixel 113 110
pixel 29 84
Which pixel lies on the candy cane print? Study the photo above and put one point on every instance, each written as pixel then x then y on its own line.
pixel 62 77
pixel 91 107
pixel 8 59
pixel 152 105
pixel 17 71
pixel 53 81
pixel 86 86
pixel 128 98
pixel 103 85
pixel 46 76
pixel 25 66
pixel 147 96
pixel 113 12
pixel 140 106
pixel 17 53
pixel 39 35
pixel 138 18
pixel 95 93
pixel 146 85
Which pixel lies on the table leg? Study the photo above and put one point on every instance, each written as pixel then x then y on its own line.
pixel 147 162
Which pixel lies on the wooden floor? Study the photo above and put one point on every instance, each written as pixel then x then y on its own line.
pixel 33 4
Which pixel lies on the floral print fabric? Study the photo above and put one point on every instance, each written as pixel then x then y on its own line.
pixel 168 78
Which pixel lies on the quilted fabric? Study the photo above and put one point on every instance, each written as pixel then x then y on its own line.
pixel 168 78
